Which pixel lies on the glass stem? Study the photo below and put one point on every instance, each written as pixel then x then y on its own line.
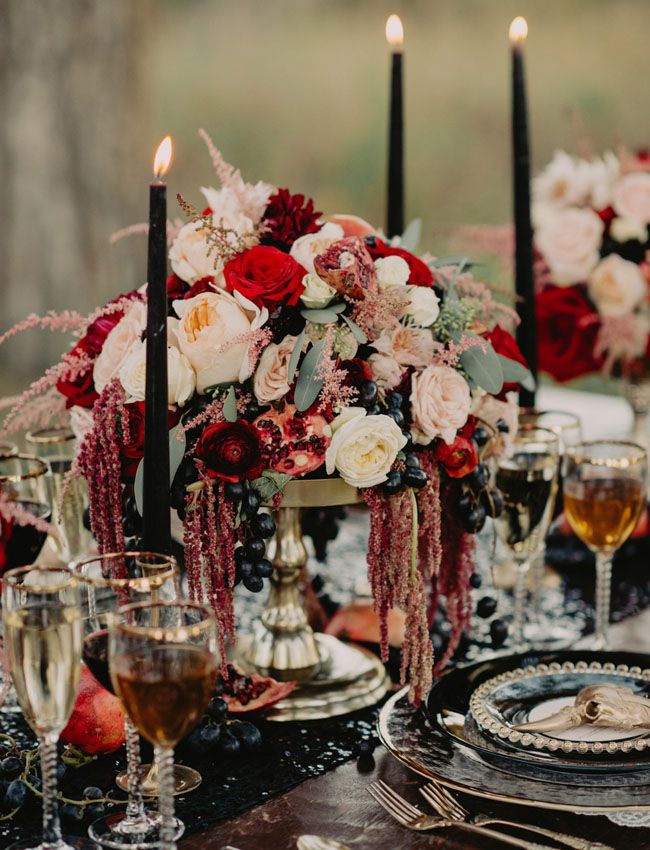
pixel 165 764
pixel 51 825
pixel 135 806
pixel 520 599
pixel 603 594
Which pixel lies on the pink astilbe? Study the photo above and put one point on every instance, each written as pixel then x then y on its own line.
pixel 66 322
pixel 119 305
pixel 209 537
pixel 620 338
pixel 480 296
pixel 69 368
pixel 143 228
pixel 212 413
pixel 379 310
pixel 47 410
pixel 334 393
pixel 448 353
pixel 396 582
pixel 13 513
pixel 100 463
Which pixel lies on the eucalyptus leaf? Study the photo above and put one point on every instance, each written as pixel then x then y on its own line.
pixel 308 384
pixel 514 372
pixel 320 317
pixel 457 259
pixel 269 483
pixel 356 330
pixel 482 364
pixel 411 236
pixel 295 356
pixel 138 487
pixel 176 451
pixel 337 308
pixel 230 405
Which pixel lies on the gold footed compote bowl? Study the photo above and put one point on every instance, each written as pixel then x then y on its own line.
pixel 333 677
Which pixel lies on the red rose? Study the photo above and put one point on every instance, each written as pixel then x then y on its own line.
pixel 287 217
pixel 231 451
pixel 420 272
pixel 206 284
pixel 133 452
pixel 80 391
pixel 504 343
pixel 176 288
pixel 458 459
pixel 266 276
pixel 567 327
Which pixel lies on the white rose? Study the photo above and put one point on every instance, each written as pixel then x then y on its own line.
pixel 424 305
pixel 271 380
pixel 181 379
pixel 226 209
pixel 207 322
pixel 603 174
pixel 624 229
pixel 569 240
pixel 316 293
pixel 616 286
pixel 564 182
pixel 632 196
pixel 190 256
pixel 118 343
pixel 346 415
pixel 386 371
pixel 363 449
pixel 440 402
pixel 307 247
pixel 392 271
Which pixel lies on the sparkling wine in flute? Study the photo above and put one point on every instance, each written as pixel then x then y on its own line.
pixel 166 690
pixel 95 655
pixel 67 515
pixel 603 511
pixel 528 489
pixel 44 647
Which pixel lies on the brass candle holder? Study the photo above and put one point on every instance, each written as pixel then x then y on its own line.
pixel 333 677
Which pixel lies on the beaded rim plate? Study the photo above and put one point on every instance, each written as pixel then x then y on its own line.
pixel 488 701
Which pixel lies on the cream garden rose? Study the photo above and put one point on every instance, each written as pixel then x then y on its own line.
pixel 569 240
pixel 306 248
pixel 564 182
pixel 386 371
pixel 316 293
pixel 271 380
pixel 190 256
pixel 617 286
pixel 392 271
pixel 632 196
pixel 440 403
pixel 208 322
pixel 409 346
pixel 424 306
pixel 181 380
pixel 118 344
pixel 364 448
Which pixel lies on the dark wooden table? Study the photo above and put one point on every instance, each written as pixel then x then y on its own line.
pixel 337 805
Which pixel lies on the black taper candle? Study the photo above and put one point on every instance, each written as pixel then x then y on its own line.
pixel 155 495
pixel 524 282
pixel 395 187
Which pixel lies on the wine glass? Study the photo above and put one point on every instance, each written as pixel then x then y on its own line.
pixel 552 624
pixel 43 635
pixel 8 448
pixel 163 665
pixel 56 447
pixel 527 479
pixel 109 581
pixel 21 483
pixel 604 494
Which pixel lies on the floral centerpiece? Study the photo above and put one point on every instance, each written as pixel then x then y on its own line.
pixel 591 220
pixel 299 346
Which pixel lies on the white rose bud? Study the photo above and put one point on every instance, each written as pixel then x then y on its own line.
pixel 392 271
pixel 181 380
pixel 316 294
pixel 363 449
pixel 624 229
pixel 424 306
pixel 117 345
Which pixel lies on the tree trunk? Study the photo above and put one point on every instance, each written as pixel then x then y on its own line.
pixel 72 161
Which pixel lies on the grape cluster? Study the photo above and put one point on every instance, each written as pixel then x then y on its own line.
pixel 219 733
pixel 251 564
pixel 476 499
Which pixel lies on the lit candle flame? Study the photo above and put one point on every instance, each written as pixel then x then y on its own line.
pixel 394 31
pixel 518 30
pixel 163 158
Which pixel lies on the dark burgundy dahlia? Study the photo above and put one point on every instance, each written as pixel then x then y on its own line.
pixel 288 217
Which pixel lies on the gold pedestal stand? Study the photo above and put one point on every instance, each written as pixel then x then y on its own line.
pixel 333 677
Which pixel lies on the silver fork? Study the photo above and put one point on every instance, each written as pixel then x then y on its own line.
pixel 442 801
pixel 412 818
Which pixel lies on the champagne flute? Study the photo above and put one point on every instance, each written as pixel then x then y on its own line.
pixel 56 447
pixel 527 479
pixel 163 665
pixel 604 494
pixel 42 625
pixel 109 581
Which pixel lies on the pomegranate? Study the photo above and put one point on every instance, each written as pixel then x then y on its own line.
pixel 252 693
pixel 292 442
pixel 358 622
pixel 353 225
pixel 96 724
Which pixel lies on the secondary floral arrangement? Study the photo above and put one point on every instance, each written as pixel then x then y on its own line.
pixel 591 220
pixel 299 346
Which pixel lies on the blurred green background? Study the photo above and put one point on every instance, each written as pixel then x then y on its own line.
pixel 293 92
